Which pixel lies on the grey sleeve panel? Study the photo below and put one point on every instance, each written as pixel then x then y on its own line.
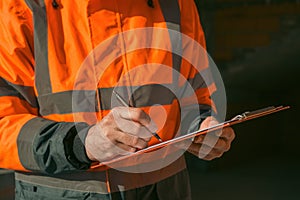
pixel 44 146
pixel 78 151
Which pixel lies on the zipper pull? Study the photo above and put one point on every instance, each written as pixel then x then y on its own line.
pixel 150 3
pixel 55 4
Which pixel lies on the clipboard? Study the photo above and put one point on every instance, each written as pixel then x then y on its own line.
pixel 246 116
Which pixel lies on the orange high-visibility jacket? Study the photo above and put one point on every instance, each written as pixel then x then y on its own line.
pixel 43 44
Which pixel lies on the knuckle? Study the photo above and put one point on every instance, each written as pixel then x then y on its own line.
pixel 219 144
pixel 110 141
pixel 139 114
pixel 223 144
pixel 116 109
pixel 105 132
pixel 134 141
pixel 109 136
pixel 142 115
pixel 105 120
pixel 113 111
pixel 116 112
pixel 132 150
pixel 108 120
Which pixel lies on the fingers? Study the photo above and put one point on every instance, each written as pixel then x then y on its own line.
pixel 134 121
pixel 123 149
pixel 213 144
pixel 129 140
pixel 133 128
pixel 200 151
pixel 103 143
pixel 228 134
pixel 121 132
pixel 213 141
pixel 110 130
pixel 208 122
pixel 135 115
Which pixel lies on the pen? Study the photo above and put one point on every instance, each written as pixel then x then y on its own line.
pixel 123 102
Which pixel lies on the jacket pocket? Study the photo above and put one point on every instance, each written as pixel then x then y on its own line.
pixel 28 191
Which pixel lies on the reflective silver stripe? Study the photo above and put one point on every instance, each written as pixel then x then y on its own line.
pixel 144 96
pixel 95 182
pixel 25 143
pixel 85 101
pixel 91 183
pixel 64 102
pixel 23 92
pixel 42 76
pixel 172 26
pixel 171 12
pixel 199 82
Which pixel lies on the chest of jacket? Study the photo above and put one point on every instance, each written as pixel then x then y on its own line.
pixel 84 50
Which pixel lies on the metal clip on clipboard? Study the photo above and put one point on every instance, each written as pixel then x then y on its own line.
pixel 256 114
pixel 253 113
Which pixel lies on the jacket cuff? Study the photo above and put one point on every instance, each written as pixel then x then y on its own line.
pixel 79 145
pixel 74 145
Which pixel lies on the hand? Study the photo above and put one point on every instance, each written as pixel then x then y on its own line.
pixel 213 144
pixel 121 132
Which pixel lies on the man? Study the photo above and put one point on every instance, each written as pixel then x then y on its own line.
pixel 43 47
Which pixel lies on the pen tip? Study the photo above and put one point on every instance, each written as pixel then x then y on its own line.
pixel 160 140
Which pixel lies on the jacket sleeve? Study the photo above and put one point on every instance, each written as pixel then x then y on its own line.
pixel 27 141
pixel 200 79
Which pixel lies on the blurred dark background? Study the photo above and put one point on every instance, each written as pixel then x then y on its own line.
pixel 256 46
